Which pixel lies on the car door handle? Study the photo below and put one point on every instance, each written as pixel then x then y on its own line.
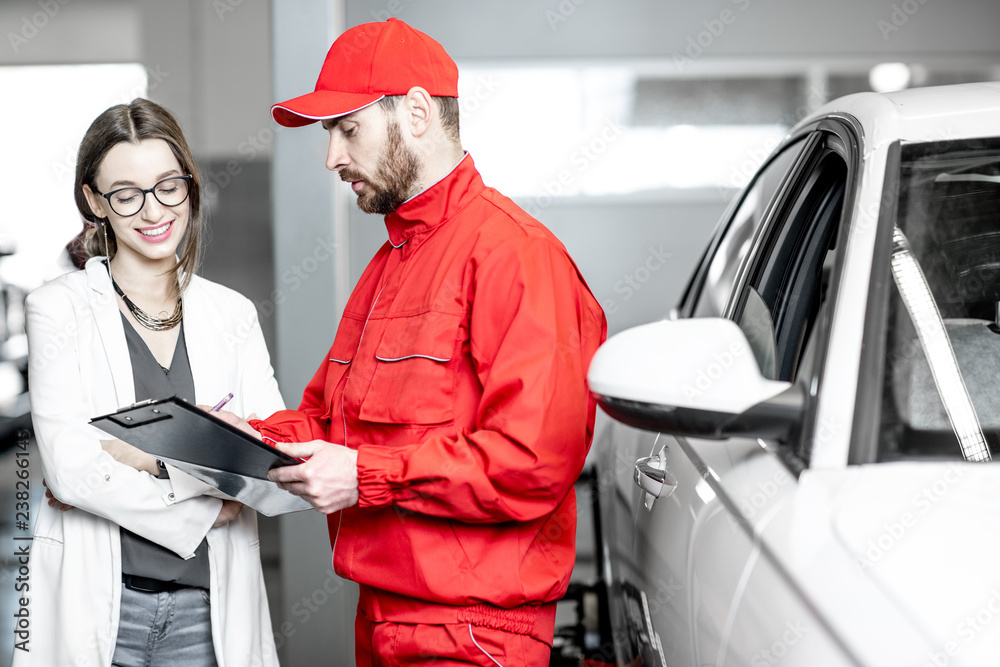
pixel 652 476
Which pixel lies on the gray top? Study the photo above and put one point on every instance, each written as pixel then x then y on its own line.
pixel 140 556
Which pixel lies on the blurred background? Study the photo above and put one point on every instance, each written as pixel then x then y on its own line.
pixel 626 126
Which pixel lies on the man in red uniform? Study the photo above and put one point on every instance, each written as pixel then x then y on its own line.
pixel 447 425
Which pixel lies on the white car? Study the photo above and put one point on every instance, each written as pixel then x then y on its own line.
pixel 799 471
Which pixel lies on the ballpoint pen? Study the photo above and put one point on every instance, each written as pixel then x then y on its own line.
pixel 218 406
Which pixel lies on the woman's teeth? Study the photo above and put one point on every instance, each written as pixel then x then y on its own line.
pixel 155 232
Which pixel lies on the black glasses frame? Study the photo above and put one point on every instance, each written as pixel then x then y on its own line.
pixel 152 190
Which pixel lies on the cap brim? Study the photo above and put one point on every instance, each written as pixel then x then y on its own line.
pixel 320 105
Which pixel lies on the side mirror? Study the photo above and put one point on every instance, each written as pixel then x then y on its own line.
pixel 693 377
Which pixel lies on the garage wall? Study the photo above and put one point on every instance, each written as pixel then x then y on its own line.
pixel 663 28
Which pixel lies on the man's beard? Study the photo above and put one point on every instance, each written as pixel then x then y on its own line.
pixel 394 177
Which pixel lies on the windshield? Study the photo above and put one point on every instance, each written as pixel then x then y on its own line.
pixel 941 384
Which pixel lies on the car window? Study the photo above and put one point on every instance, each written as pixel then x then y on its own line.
pixel 732 243
pixel 948 221
pixel 789 276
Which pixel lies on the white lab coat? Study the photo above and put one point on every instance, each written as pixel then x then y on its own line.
pixel 79 367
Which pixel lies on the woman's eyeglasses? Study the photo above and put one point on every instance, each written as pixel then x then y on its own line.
pixel 126 202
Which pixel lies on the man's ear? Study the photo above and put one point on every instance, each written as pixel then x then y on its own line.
pixel 95 201
pixel 419 107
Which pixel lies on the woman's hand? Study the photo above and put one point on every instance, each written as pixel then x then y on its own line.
pixel 230 510
pixel 234 420
pixel 131 456
pixel 53 501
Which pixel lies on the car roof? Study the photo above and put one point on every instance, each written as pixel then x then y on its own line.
pixel 920 114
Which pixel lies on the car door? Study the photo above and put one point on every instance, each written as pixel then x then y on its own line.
pixel 678 565
pixel 783 303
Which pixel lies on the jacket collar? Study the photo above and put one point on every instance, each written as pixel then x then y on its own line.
pixel 98 277
pixel 107 318
pixel 435 205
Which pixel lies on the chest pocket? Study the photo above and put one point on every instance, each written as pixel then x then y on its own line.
pixel 341 357
pixel 415 371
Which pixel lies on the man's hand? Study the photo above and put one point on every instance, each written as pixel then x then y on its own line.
pixel 230 510
pixel 328 480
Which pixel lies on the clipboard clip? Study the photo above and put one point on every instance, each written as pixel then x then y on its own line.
pixel 137 404
pixel 146 415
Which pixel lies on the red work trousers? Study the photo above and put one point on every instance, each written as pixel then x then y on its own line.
pixel 388 644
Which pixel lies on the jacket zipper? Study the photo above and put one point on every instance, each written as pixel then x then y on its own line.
pixel 343 417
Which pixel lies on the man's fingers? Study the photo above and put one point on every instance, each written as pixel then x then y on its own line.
pixel 327 480
pixel 295 488
pixel 301 450
pixel 285 475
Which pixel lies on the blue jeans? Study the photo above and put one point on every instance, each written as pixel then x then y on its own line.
pixel 165 629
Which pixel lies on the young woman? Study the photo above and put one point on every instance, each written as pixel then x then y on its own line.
pixel 134 562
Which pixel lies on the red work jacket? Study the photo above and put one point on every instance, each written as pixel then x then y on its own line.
pixel 458 373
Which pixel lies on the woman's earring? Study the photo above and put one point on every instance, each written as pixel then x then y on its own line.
pixel 107 249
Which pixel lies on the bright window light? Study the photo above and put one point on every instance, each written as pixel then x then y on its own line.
pixel 887 77
pixel 40 134
pixel 566 131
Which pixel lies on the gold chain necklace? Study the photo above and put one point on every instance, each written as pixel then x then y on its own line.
pixel 144 318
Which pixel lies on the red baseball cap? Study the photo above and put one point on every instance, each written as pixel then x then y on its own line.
pixel 366 63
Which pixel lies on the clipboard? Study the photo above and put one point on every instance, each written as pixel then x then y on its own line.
pixel 208 449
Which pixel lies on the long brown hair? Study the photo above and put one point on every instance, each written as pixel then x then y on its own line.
pixel 133 122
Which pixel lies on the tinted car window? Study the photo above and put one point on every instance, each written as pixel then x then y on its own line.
pixel 734 244
pixel 948 211
pixel 789 279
